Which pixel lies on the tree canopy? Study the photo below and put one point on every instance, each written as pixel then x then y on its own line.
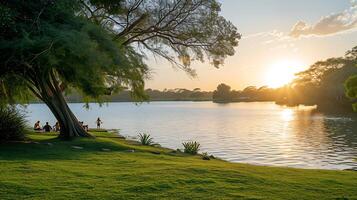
pixel 178 30
pixel 222 94
pixel 323 84
pixel 99 46
pixel 46 40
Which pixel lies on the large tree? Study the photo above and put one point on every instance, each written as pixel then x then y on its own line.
pixel 323 83
pixel 98 47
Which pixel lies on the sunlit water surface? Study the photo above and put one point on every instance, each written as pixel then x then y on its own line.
pixel 255 133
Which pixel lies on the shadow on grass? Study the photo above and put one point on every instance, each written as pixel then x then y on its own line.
pixel 47 146
pixel 53 148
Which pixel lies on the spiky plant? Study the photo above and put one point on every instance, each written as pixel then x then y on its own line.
pixel 145 139
pixel 12 124
pixel 191 147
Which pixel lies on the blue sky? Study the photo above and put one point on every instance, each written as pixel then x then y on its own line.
pixel 279 36
pixel 252 16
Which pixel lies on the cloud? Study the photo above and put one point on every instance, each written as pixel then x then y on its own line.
pixel 273 33
pixel 328 25
pixel 269 37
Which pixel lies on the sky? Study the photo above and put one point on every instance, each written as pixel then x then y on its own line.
pixel 280 38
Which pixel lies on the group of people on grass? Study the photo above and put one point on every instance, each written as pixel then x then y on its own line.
pixel 47 127
pixel 57 127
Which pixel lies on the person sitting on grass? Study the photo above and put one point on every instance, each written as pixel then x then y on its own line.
pixel 37 126
pixel 85 127
pixel 57 127
pixel 47 127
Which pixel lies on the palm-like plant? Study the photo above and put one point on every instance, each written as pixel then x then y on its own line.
pixel 145 139
pixel 191 147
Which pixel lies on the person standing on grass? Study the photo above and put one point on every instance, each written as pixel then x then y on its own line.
pixel 99 121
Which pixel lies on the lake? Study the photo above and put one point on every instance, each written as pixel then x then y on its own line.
pixel 255 133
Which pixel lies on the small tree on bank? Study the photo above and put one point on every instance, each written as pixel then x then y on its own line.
pixel 98 47
pixel 222 93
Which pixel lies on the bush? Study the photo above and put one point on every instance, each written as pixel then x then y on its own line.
pixel 12 124
pixel 205 156
pixel 191 147
pixel 145 139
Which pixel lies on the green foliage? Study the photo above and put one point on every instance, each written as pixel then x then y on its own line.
pixel 191 147
pixel 145 139
pixel 323 81
pixel 13 90
pixel 323 84
pixel 12 124
pixel 351 82
pixel 187 30
pixel 92 52
pixel 82 54
pixel 351 90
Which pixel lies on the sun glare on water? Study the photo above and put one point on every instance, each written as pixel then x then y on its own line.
pixel 282 73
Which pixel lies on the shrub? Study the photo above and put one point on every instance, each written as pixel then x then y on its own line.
pixel 205 156
pixel 191 147
pixel 145 139
pixel 12 124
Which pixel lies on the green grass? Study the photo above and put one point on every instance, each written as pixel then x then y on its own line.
pixel 40 171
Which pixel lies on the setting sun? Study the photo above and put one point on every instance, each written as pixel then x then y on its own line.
pixel 282 73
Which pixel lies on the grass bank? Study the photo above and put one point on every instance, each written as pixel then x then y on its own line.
pixel 108 168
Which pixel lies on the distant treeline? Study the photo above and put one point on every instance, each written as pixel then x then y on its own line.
pixel 224 94
pixel 178 94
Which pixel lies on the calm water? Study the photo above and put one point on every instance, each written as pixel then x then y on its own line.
pixel 255 133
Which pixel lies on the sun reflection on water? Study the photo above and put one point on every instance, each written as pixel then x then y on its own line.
pixel 287 114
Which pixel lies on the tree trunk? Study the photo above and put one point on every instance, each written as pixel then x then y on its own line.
pixel 70 126
pixel 48 90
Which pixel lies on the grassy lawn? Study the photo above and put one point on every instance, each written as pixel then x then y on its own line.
pixel 38 170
